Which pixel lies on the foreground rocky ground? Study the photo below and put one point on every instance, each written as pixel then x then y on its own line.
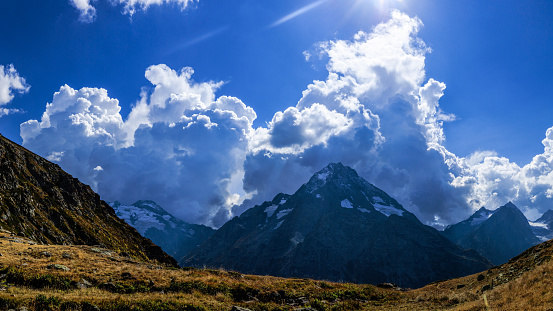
pixel 64 277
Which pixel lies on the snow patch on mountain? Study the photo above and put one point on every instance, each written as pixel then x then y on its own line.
pixel 378 200
pixel 322 176
pixel 271 210
pixel 283 213
pixel 140 219
pixel 538 224
pixel 364 210
pixel 346 204
pixel 278 225
pixel 387 210
pixel 480 219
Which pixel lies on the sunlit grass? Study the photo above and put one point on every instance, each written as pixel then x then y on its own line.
pixel 122 283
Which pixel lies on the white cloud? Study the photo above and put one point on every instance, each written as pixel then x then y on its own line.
pixel 130 6
pixel 387 61
pixel 293 131
pixel 179 146
pixel 87 11
pixel 5 111
pixel 10 82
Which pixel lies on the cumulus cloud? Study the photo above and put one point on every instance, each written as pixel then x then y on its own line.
pixel 179 146
pixel 10 83
pixel 88 11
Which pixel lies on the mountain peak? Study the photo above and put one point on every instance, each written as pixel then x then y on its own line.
pixel 511 207
pixel 483 209
pixel 546 217
pixel 333 171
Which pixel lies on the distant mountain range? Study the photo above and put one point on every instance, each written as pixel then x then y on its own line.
pixel 499 235
pixel 176 237
pixel 336 227
pixel 40 201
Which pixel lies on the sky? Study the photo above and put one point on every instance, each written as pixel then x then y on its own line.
pixel 209 107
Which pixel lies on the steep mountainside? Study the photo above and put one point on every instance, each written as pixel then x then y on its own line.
pixel 336 227
pixel 503 234
pixel 175 236
pixel 40 201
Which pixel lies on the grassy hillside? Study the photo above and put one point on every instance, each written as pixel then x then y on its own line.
pixel 59 277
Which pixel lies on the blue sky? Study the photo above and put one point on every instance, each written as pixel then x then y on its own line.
pixel 493 56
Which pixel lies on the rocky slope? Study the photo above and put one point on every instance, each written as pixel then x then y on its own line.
pixel 40 201
pixel 175 236
pixel 498 235
pixel 336 227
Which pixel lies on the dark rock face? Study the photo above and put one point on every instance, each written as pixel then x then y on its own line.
pixel 173 235
pixel 503 234
pixel 336 227
pixel 42 202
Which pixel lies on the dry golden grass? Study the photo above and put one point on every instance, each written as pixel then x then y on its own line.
pixel 123 283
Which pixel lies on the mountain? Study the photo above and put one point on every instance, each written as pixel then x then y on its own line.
pixel 336 227
pixel 543 226
pixel 176 237
pixel 40 201
pixel 498 235
pixel 457 231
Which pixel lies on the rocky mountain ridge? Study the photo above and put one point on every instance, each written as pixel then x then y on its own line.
pixel 339 227
pixel 497 235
